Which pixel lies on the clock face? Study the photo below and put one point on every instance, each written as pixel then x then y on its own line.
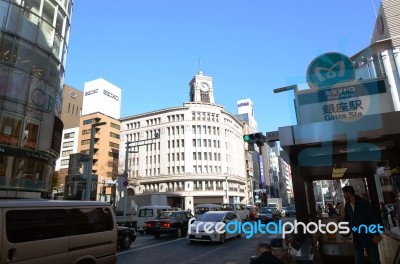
pixel 204 87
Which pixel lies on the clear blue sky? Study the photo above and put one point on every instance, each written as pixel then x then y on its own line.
pixel 151 48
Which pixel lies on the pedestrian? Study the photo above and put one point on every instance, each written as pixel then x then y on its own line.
pixel 392 213
pixel 264 255
pixel 279 251
pixel 319 211
pixel 331 210
pixel 359 212
pixel 397 211
pixel 340 209
pixel 385 216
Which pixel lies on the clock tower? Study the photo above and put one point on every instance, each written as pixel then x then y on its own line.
pixel 201 89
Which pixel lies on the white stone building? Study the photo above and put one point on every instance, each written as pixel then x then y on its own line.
pixel 199 150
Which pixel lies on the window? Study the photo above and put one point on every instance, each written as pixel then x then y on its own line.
pixel 65 162
pixel 86 132
pixel 88 121
pixel 85 142
pixel 66 153
pixel 198 142
pixel 113 135
pixel 194 142
pixel 199 155
pixel 115 126
pixel 182 143
pixel 31 132
pixel 69 135
pixel 182 156
pixel 33 225
pixel 194 156
pixel 10 130
pixel 114 145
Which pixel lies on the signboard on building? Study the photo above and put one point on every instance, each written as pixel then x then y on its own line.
pixel 348 102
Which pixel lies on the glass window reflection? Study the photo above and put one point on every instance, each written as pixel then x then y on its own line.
pixel 40 64
pixel 23 54
pixel 17 88
pixel 6 48
pixel 12 19
pixel 29 26
pixel 10 129
pixel 3 13
pixel 45 35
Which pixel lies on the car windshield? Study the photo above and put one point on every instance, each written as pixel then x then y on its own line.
pixel 211 218
pixel 266 210
pixel 201 210
pixel 227 207
pixel 166 215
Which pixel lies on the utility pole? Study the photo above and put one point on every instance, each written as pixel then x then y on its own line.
pixel 129 145
pixel 91 153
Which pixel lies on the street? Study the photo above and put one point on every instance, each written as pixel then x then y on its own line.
pixel 147 249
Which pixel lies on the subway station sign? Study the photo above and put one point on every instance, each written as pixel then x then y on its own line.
pixel 348 102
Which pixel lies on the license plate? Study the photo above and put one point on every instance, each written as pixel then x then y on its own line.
pixel 198 236
pixel 157 225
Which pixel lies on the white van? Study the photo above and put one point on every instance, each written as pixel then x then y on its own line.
pixel 55 231
pixel 204 208
pixel 149 212
pixel 238 208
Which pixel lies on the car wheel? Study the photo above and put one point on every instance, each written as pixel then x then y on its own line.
pixel 179 232
pixel 222 238
pixel 126 242
pixel 156 235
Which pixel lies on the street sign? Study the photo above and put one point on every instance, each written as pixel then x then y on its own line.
pixel 125 175
pixel 272 136
pixel 261 190
pixel 330 69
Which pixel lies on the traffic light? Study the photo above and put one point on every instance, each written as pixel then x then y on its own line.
pixel 257 138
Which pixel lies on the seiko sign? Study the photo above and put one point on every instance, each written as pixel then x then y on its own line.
pixel 113 96
pixel 91 92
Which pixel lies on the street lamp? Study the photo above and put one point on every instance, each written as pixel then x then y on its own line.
pixel 226 189
pixel 91 153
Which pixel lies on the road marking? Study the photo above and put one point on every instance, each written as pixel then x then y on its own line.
pixel 203 255
pixel 156 245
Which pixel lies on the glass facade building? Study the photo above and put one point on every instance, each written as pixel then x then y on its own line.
pixel 33 49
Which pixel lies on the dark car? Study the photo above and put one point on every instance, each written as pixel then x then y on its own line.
pixel 290 211
pixel 126 236
pixel 173 223
pixel 268 214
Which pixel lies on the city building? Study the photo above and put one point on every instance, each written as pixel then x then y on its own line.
pixel 33 52
pixel 101 96
pixel 245 110
pixel 194 154
pixel 71 109
pixel 106 144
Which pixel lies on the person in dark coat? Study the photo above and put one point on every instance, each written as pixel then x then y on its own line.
pixel 264 255
pixel 359 212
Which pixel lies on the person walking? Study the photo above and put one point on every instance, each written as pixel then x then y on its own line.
pixel 359 212
pixel 331 210
pixel 264 255
pixel 340 209
pixel 385 216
